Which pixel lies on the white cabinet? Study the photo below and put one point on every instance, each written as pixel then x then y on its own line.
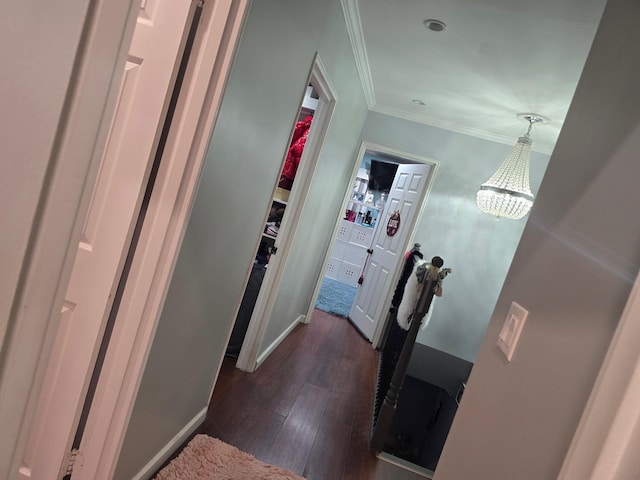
pixel 355 235
pixel 349 252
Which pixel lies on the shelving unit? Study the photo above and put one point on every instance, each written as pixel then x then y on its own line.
pixel 281 196
pixel 278 205
pixel 355 234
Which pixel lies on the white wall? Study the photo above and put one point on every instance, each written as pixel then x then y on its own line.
pixel 573 271
pixel 478 248
pixel 248 144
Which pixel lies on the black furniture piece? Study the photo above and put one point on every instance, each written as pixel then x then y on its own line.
pixel 246 309
pixel 413 414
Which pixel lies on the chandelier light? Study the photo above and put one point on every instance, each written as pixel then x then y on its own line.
pixel 507 193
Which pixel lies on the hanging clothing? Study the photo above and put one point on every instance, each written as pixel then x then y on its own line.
pixel 294 154
pixel 410 259
pixel 410 297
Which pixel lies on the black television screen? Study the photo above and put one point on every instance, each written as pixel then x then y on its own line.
pixel 381 175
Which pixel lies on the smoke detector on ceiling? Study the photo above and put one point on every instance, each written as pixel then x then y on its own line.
pixel 435 25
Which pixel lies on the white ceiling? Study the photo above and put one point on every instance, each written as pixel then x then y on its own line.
pixel 495 59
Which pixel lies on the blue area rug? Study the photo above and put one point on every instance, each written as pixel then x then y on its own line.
pixel 336 297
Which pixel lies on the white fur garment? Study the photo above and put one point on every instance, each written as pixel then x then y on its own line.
pixel 409 299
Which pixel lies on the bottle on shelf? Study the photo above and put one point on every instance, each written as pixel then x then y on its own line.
pixel 368 218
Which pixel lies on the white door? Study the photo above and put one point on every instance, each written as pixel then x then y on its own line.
pixel 131 144
pixel 405 197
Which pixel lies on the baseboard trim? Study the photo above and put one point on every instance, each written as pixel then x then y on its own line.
pixel 156 462
pixel 263 356
pixel 405 465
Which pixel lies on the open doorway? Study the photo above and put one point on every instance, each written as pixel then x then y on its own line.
pixel 366 253
pixel 348 256
pixel 281 219
pixel 274 223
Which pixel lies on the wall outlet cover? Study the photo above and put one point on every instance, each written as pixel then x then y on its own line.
pixel 511 330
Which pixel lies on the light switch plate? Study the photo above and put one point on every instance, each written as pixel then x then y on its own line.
pixel 511 330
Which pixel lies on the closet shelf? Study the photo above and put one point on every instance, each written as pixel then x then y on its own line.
pixel 281 196
pixel 368 205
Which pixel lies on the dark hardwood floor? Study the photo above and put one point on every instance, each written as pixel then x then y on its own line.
pixel 308 407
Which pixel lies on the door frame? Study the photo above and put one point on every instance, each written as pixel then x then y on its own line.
pixel 143 102
pixel 369 147
pixel 80 138
pixel 160 240
pixel 605 442
pixel 250 357
pixel 108 32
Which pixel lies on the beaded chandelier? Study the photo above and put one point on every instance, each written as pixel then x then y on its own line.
pixel 507 193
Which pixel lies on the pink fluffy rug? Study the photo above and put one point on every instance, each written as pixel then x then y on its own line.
pixel 207 458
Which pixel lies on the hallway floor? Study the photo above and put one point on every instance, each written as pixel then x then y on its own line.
pixel 308 407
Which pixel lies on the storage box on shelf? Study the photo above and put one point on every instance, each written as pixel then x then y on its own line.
pixel 349 252
pixel 272 227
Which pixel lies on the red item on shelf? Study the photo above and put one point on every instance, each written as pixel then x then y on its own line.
pixel 295 152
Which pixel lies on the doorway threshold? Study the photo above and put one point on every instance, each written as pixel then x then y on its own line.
pixel 406 465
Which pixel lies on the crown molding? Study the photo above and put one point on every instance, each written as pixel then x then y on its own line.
pixel 354 27
pixel 457 128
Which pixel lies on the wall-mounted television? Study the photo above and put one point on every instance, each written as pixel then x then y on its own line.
pixel 381 175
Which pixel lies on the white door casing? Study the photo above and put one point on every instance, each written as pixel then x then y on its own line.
pixel 605 444
pixel 249 358
pixel 373 295
pixel 160 239
pixel 131 143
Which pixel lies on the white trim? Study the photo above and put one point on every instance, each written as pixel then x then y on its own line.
pixel 263 356
pixel 405 465
pixel 455 127
pixel 156 462
pixel 318 77
pixel 354 27
pixel 328 91
pixel 161 237
pixel 75 158
pixel 601 448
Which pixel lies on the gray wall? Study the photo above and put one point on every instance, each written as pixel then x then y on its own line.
pixel 331 178
pixel 573 271
pixel 243 163
pixel 478 248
